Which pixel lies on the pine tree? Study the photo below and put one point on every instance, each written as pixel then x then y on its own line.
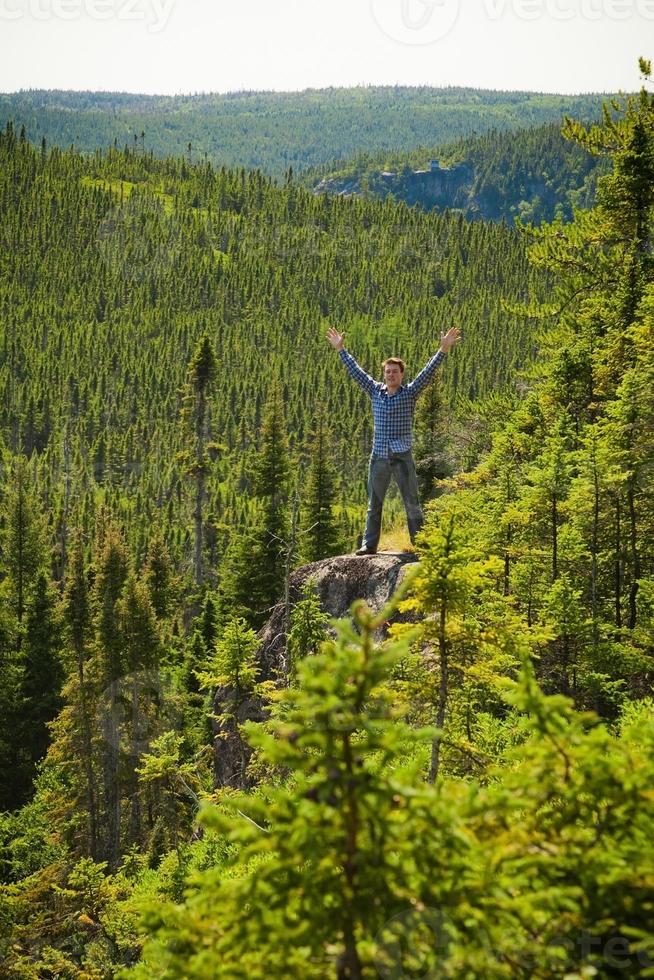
pixel 41 678
pixel 24 559
pixel 202 373
pixel 230 675
pixel 308 628
pixel 111 571
pixel 141 686
pixel 159 576
pixel 258 568
pixel 81 695
pixel 430 446
pixel 319 532
pixel 23 548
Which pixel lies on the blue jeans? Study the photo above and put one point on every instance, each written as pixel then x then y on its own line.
pixel 380 470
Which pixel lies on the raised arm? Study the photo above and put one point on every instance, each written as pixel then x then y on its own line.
pixel 421 380
pixel 353 369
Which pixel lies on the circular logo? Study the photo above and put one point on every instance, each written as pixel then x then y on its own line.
pixel 138 239
pixel 134 710
pixel 415 21
pixel 413 945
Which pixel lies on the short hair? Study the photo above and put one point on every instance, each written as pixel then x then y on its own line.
pixel 394 360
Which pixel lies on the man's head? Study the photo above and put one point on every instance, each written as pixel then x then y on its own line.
pixel 393 368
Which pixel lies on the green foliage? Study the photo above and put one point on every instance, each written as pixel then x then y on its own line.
pixel 330 874
pixel 278 132
pixel 530 174
pixel 233 662
pixel 308 628
pixel 319 530
pixel 525 852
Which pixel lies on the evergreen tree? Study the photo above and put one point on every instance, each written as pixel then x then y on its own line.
pixel 22 643
pixel 141 687
pixel 41 679
pixel 112 569
pixel 308 628
pixel 255 578
pixel 319 531
pixel 230 675
pixel 202 373
pixel 430 446
pixel 23 547
pixel 77 738
pixel 159 576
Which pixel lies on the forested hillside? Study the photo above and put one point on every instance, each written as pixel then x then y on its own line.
pixel 532 174
pixel 469 798
pixel 112 270
pixel 273 131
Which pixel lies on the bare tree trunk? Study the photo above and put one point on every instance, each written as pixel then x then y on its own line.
pixel 617 566
pixel 442 696
pixel 635 557
pixel 200 487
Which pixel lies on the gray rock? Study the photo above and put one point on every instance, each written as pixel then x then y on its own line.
pixel 340 581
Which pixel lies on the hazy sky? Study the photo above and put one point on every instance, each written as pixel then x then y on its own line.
pixel 175 46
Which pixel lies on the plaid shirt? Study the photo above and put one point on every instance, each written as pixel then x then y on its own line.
pixel 393 414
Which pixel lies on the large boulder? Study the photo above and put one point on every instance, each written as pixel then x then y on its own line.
pixel 339 581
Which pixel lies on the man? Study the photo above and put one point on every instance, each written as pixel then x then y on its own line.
pixel 393 404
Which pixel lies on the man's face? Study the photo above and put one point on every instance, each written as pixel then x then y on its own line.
pixel 393 376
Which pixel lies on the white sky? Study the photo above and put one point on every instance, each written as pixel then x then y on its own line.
pixel 184 46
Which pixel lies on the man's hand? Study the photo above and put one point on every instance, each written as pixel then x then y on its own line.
pixel 450 338
pixel 336 339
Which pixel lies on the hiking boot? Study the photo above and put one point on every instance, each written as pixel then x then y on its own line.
pixel 366 551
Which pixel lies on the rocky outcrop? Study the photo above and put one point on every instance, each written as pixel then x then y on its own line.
pixel 339 581
pixel 442 187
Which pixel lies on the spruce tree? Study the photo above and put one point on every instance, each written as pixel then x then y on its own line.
pixel 308 628
pixel 41 678
pixel 78 739
pixel 255 575
pixel 202 373
pixel 319 531
pixel 22 642
pixel 109 668
pixel 430 447
pixel 159 576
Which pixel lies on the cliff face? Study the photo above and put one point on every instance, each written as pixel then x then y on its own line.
pixel 339 581
pixel 439 188
pixel 459 188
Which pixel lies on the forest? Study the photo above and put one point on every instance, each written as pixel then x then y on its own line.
pixel 272 131
pixel 532 174
pixel 470 797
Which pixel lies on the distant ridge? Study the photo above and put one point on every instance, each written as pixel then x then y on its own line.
pixel 275 131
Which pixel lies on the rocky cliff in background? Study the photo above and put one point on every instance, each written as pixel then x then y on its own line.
pixel 456 188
